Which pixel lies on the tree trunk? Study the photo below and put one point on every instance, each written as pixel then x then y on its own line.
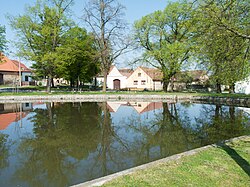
pixel 95 83
pixel 104 86
pixel 232 88
pixel 71 83
pixel 165 84
pixel 52 83
pixel 218 88
pixel 171 85
pixel 49 84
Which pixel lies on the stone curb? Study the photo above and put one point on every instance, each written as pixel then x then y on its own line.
pixel 101 97
pixel 103 180
pixel 122 97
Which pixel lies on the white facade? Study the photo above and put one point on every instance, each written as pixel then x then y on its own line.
pixel 141 80
pixel 26 76
pixel 243 86
pixel 113 75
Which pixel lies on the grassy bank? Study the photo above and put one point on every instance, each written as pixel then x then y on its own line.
pixel 63 92
pixel 227 165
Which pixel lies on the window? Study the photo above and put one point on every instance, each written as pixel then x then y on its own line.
pixel 139 74
pixel 135 82
pixel 143 82
pixel 26 78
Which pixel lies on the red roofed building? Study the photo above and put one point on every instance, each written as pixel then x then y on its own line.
pixel 145 78
pixel 12 70
pixel 10 113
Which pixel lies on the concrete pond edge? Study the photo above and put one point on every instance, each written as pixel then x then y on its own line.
pixel 127 97
pixel 103 180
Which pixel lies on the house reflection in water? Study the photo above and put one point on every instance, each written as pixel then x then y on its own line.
pixel 140 107
pixel 10 113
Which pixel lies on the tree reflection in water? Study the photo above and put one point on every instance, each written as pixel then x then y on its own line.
pixel 75 142
pixel 4 151
pixel 173 131
pixel 64 135
pixel 221 123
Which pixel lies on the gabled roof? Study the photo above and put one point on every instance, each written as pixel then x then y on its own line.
pixel 7 119
pixel 12 65
pixel 126 72
pixel 154 74
pixel 152 106
pixel 111 68
pixel 196 75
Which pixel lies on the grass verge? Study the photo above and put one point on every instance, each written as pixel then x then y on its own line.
pixel 226 165
pixel 61 92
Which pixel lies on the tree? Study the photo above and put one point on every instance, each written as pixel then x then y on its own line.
pixel 239 12
pixel 165 38
pixel 223 52
pixel 2 41
pixel 40 30
pixel 104 17
pixel 77 56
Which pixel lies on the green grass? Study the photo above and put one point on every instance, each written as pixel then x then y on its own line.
pixel 212 167
pixel 36 90
pixel 223 95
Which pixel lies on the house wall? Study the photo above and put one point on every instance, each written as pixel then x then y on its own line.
pixel 158 85
pixel 115 74
pixel 28 74
pixel 99 81
pixel 10 78
pixel 144 81
pixel 243 86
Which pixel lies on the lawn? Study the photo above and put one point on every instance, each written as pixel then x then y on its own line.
pixel 35 90
pixel 226 165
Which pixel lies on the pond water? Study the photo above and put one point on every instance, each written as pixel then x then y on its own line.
pixel 61 144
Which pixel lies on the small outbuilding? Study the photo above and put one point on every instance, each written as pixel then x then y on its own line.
pixel 11 71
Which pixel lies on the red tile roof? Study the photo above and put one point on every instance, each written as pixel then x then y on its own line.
pixel 152 106
pixel 12 65
pixel 153 73
pixel 126 72
pixel 7 119
pixel 196 75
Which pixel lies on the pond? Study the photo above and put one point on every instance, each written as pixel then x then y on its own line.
pixel 61 144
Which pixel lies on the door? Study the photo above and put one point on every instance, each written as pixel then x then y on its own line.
pixel 1 78
pixel 117 84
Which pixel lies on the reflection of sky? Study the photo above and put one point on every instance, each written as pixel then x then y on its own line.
pixel 127 123
pixel 126 115
pixel 16 131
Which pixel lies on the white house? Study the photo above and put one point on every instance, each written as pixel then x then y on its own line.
pixel 117 78
pixel 145 78
pixel 243 86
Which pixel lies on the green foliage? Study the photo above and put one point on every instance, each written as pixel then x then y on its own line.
pixel 2 40
pixel 165 38
pixel 223 52
pixel 76 56
pixel 40 30
pixel 4 151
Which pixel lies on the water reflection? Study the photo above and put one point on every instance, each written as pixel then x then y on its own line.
pixel 10 113
pixel 60 144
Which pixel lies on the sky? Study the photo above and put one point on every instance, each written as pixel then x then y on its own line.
pixel 135 9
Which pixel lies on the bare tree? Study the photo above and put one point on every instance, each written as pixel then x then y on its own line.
pixel 105 19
